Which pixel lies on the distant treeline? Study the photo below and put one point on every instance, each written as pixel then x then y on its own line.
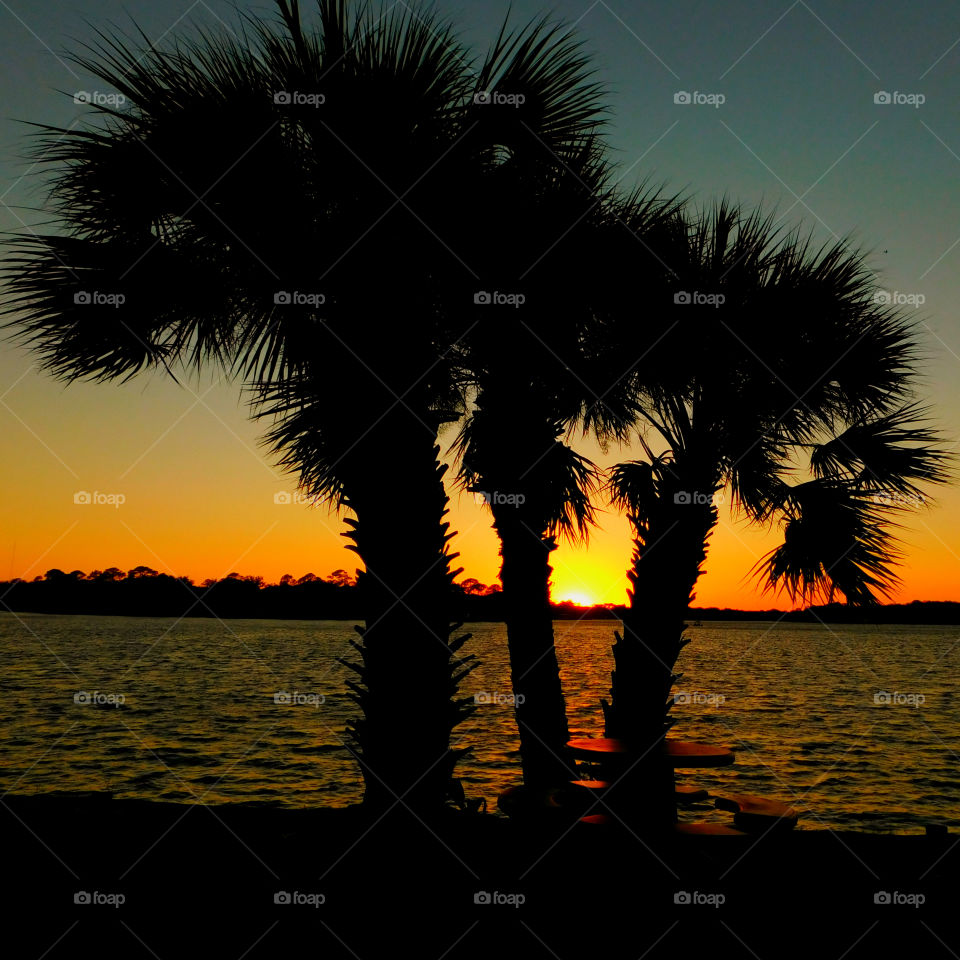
pixel 918 611
pixel 144 592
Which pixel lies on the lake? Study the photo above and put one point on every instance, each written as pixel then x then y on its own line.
pixel 856 726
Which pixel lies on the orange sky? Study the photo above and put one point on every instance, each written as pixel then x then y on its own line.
pixel 199 500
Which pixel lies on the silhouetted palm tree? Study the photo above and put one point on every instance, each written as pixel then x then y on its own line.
pixel 279 205
pixel 532 178
pixel 548 220
pixel 769 352
pixel 541 371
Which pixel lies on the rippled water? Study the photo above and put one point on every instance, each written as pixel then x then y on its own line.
pixel 198 721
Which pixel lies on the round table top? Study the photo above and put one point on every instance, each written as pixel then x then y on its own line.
pixel 682 753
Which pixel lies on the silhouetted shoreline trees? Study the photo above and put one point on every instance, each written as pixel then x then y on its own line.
pixel 144 592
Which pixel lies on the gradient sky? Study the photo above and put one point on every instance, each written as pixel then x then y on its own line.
pixel 799 130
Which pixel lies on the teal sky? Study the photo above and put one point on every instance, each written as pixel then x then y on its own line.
pixel 798 131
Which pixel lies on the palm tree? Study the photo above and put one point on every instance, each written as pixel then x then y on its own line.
pixel 549 221
pixel 276 206
pixel 768 352
pixel 541 372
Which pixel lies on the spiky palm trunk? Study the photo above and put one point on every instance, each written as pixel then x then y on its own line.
pixel 508 459
pixel 668 557
pixel 541 710
pixel 409 670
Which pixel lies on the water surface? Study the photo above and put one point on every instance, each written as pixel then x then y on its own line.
pixel 197 719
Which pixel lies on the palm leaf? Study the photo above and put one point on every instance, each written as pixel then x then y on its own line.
pixel 892 452
pixel 835 540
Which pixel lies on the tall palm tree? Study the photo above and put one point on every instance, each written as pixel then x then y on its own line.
pixel 278 206
pixel 769 352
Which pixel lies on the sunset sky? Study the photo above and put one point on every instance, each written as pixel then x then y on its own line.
pixel 799 130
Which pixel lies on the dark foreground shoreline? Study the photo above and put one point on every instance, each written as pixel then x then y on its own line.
pixel 204 881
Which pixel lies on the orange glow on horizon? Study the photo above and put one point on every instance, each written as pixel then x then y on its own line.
pixel 201 499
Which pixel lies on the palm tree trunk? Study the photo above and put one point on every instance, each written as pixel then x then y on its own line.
pixel 409 671
pixel 535 673
pixel 667 561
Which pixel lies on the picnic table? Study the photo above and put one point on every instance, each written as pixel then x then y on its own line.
pixel 750 813
pixel 681 753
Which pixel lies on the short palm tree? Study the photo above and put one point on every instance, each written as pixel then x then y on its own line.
pixel 549 221
pixel 771 357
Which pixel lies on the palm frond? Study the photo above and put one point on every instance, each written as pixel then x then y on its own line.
pixel 570 484
pixel 835 540
pixel 634 487
pixel 545 64
pixel 893 452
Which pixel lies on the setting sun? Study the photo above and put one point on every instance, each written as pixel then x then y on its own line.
pixel 580 599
